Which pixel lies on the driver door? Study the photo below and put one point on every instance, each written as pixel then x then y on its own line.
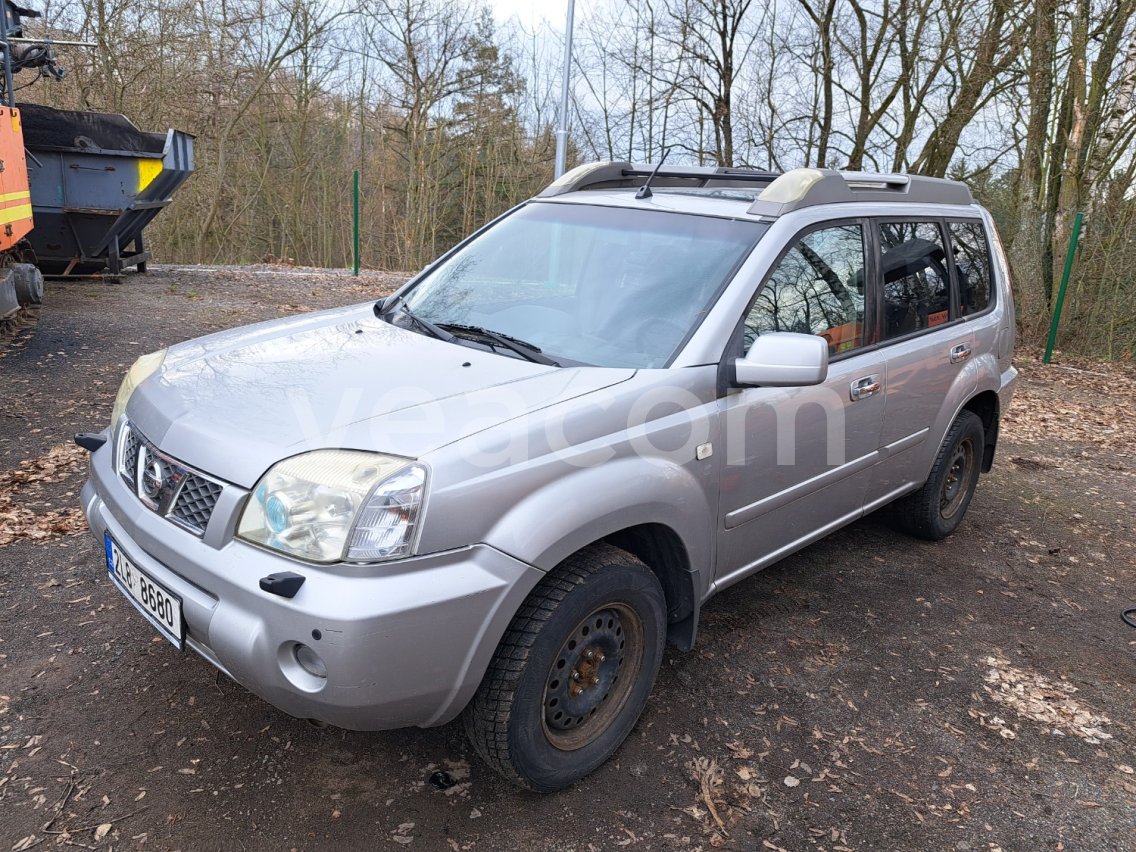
pixel 798 460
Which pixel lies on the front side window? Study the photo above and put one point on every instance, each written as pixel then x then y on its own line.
pixel 816 288
pixel 972 266
pixel 917 288
pixel 606 286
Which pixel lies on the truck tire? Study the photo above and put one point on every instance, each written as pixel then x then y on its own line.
pixel 935 510
pixel 29 283
pixel 573 671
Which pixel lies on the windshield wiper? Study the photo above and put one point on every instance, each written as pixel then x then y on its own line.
pixel 385 306
pixel 388 313
pixel 427 326
pixel 523 348
pixel 388 308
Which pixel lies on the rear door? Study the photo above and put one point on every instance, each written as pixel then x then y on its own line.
pixel 926 343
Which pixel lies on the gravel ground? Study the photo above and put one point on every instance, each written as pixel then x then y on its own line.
pixel 871 692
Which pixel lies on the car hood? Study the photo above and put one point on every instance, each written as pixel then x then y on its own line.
pixel 233 404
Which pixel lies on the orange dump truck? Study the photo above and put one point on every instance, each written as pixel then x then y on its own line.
pixel 77 188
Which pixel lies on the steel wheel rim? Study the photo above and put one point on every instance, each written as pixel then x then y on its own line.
pixel 956 482
pixel 583 695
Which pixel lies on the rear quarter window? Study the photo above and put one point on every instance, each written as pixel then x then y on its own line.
pixel 971 252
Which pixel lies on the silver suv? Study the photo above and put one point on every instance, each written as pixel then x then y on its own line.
pixel 500 491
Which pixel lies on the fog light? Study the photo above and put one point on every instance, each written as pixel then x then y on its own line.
pixel 310 661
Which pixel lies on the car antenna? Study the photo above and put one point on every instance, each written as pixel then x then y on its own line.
pixel 645 189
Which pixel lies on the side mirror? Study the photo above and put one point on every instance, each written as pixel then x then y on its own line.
pixel 783 359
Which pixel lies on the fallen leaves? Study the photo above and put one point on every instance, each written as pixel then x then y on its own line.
pixel 739 750
pixel 56 465
pixel 402 834
pixel 1060 405
pixel 18 520
pixel 710 780
pixel 1034 696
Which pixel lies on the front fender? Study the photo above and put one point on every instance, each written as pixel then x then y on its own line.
pixel 577 509
pixel 543 486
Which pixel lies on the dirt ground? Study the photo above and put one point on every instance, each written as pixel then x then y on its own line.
pixel 871 692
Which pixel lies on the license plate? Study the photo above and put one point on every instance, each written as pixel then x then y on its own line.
pixel 151 598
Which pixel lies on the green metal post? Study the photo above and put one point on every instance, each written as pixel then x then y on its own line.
pixel 355 218
pixel 1073 237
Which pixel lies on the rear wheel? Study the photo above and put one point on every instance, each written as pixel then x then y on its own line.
pixel 935 510
pixel 573 671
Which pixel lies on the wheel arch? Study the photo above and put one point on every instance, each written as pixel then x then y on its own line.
pixel 662 550
pixel 987 406
pixel 661 513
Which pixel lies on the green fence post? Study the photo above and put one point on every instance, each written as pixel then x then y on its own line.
pixel 355 219
pixel 1073 237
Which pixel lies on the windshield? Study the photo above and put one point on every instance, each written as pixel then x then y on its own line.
pixel 607 286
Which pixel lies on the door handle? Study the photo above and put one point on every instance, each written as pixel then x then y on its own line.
pixel 960 353
pixel 865 387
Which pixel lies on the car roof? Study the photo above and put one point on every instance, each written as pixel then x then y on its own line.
pixel 746 193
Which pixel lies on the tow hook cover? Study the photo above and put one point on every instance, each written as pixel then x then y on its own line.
pixel 90 441
pixel 284 583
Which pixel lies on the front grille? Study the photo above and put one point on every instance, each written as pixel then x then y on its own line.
pixel 129 455
pixel 164 485
pixel 195 502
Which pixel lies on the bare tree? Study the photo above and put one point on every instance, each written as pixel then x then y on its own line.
pixel 709 44
pixel 424 46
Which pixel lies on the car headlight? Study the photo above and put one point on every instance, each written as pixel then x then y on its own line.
pixel 139 371
pixel 337 506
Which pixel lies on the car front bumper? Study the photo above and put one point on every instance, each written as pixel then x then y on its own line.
pixel 404 643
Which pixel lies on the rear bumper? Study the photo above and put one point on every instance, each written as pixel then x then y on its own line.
pixel 405 643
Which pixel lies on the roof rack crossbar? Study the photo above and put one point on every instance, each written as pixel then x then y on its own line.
pixel 718 174
pixel 608 175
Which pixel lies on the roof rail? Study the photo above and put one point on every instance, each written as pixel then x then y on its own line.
pixel 620 174
pixel 808 187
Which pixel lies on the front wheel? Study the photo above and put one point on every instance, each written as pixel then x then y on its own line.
pixel 573 671
pixel 935 510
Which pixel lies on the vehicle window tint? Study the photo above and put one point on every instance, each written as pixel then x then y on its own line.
pixel 817 288
pixel 972 264
pixel 916 282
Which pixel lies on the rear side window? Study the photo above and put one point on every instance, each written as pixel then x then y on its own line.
pixel 817 288
pixel 972 263
pixel 916 280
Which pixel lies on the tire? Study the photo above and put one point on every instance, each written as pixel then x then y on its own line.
pixel 531 720
pixel 935 510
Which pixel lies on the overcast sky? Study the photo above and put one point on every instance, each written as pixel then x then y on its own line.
pixel 532 13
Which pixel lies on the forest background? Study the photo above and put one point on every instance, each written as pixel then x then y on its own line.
pixel 449 116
